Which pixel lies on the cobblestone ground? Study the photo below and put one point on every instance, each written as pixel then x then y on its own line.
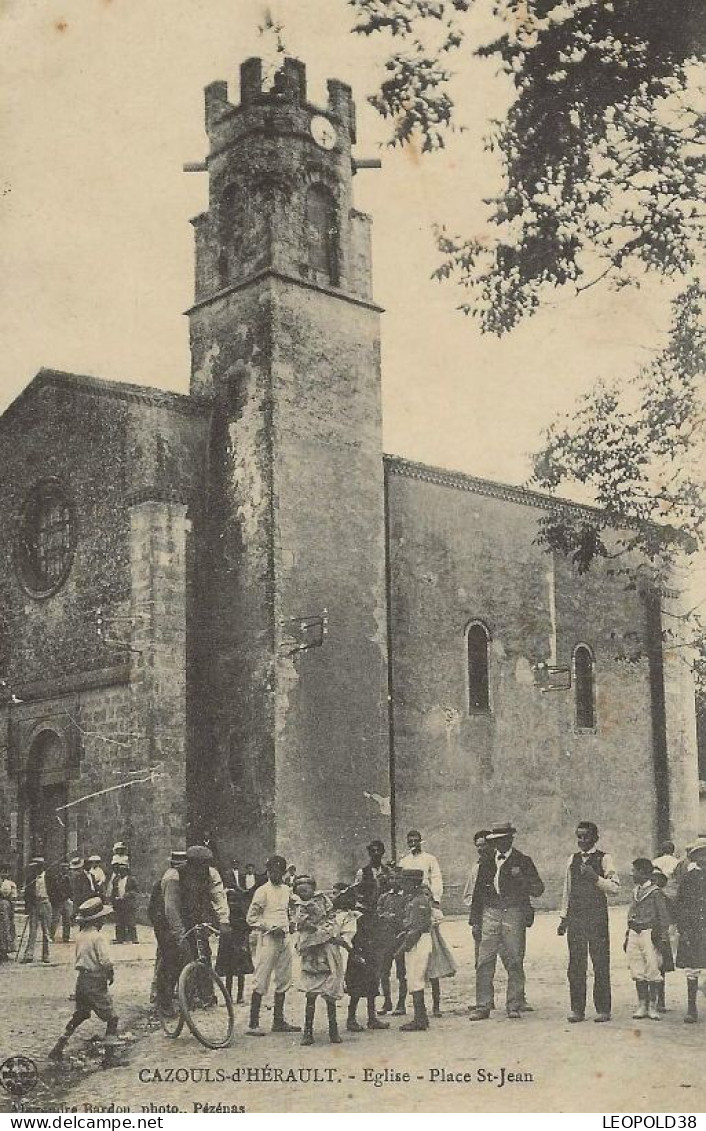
pixel 622 1066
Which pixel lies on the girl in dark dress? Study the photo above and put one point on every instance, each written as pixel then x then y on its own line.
pixel 234 958
pixel 366 959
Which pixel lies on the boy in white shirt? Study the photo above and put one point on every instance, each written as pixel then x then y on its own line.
pixel 94 974
pixel 270 914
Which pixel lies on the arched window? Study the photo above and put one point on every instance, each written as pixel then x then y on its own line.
pixel 478 649
pixel 47 538
pixel 322 232
pixel 584 688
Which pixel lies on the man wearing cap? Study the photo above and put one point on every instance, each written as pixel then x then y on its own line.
pixel 590 877
pixel 38 908
pixel 122 893
pixel 690 912
pixel 94 975
pixel 416 944
pixel 416 859
pixel 193 893
pixel 271 914
pixel 158 919
pixel 501 909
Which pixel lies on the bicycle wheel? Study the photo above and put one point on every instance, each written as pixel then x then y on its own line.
pixel 206 1005
pixel 172 1019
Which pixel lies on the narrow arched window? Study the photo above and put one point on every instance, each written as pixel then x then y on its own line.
pixel 322 232
pixel 584 696
pixel 478 649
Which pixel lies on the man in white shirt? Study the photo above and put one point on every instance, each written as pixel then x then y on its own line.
pixel 416 859
pixel 94 973
pixel 270 914
pixel 590 877
pixel 99 877
pixel 668 862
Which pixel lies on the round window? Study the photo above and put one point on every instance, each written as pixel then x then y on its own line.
pixel 46 539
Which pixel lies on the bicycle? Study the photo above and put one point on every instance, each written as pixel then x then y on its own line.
pixel 203 1001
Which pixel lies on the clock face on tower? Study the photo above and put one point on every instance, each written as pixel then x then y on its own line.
pixel 322 132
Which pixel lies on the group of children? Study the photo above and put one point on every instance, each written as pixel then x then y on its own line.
pixel 347 940
pixel 329 944
pixel 657 919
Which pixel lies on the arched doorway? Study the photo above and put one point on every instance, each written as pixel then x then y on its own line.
pixel 47 790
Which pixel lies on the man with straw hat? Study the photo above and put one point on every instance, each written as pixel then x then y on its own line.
pixel 501 907
pixel 83 886
pixel 94 975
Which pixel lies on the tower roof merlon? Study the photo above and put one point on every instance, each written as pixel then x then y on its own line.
pixel 288 88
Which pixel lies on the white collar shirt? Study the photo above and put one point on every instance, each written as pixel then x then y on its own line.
pixel 429 865
pixel 500 858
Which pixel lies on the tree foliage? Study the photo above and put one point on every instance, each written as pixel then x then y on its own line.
pixel 638 447
pixel 602 150
pixel 603 179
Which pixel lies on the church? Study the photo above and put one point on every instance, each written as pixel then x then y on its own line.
pixel 229 614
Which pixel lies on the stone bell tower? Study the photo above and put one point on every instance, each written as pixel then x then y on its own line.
pixel 290 722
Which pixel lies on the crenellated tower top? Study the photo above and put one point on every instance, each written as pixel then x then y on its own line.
pixel 280 187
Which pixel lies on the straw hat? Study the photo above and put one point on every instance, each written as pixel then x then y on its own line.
pixel 92 910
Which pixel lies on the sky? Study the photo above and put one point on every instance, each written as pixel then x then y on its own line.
pixel 102 104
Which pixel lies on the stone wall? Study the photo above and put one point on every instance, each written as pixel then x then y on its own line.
pixel 460 550
pixel 101 662
pixel 331 700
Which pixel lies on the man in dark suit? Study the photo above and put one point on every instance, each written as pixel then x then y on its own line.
pixel 501 911
pixel 123 896
pixel 83 885
pixel 59 892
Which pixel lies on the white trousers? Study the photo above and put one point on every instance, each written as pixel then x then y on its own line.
pixel 644 959
pixel 417 962
pixel 273 956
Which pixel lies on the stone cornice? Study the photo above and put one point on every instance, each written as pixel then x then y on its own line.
pixel 505 491
pixel 70 684
pixel 96 386
pixel 283 277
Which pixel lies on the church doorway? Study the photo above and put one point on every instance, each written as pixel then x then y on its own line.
pixel 47 791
